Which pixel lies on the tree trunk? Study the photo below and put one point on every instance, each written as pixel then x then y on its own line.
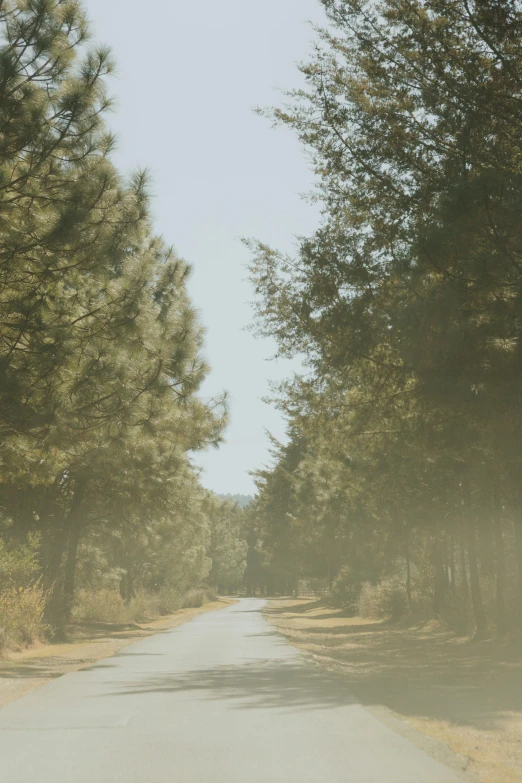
pixel 515 502
pixel 60 603
pixel 440 582
pixel 70 570
pixel 408 569
pixel 518 550
pixel 464 570
pixel 500 563
pixel 329 575
pixel 463 597
pixel 501 578
pixel 451 566
pixel 52 568
pixel 474 577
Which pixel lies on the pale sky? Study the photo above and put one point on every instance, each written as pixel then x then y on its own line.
pixel 189 75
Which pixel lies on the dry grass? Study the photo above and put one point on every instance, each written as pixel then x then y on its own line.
pixel 21 615
pixel 463 692
pixel 198 597
pixel 107 606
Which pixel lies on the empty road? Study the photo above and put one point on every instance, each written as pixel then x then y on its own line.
pixel 221 699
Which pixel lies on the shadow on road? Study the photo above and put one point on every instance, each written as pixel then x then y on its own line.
pixel 416 671
pixel 265 684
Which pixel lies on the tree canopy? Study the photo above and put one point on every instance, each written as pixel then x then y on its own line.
pixel 100 348
pixel 405 304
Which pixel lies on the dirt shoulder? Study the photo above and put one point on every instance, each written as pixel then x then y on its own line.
pixel 464 693
pixel 21 672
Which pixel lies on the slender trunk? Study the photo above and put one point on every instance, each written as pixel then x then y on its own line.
pixel 408 569
pixel 515 500
pixel 60 604
pixel 518 551
pixel 463 570
pixel 501 578
pixel 52 568
pixel 463 597
pixel 454 602
pixel 127 589
pixel 70 571
pixel 500 562
pixel 474 577
pixel 440 582
pixel 451 566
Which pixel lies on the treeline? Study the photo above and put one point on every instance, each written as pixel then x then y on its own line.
pixel 100 348
pixel 401 484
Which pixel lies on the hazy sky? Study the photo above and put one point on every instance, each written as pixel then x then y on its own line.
pixel 189 75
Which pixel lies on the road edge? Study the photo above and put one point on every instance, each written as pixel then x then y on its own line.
pixel 436 749
pixel 75 656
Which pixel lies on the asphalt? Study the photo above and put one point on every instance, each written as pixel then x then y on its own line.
pixel 222 699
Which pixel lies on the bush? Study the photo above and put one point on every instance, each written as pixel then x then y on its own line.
pixel 107 606
pixel 211 594
pixel 102 606
pixel 386 599
pixel 196 598
pixel 345 591
pixel 19 562
pixel 169 600
pixel 21 615
pixel 142 607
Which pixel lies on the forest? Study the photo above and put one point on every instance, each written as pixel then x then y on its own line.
pixel 102 513
pixel 399 488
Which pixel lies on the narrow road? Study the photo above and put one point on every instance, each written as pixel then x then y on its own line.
pixel 222 699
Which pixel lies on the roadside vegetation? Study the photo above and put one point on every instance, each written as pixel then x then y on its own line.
pixel 400 483
pixel 462 693
pixel 102 513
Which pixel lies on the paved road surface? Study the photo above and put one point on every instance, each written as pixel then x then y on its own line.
pixel 222 699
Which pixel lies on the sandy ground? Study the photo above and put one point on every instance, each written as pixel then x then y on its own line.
pixel 21 672
pixel 467 694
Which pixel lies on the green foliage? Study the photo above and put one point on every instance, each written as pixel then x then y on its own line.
pixel 243 501
pixel 169 600
pixel 101 606
pixel 21 615
pixel 19 563
pixel 100 348
pixel 387 599
pixel 346 589
pixel 228 547
pixel 403 461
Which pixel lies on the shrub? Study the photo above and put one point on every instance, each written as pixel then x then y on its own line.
pixel 19 562
pixel 386 599
pixel 107 606
pixel 211 594
pixel 196 598
pixel 102 606
pixel 142 607
pixel 169 599
pixel 345 590
pixel 21 615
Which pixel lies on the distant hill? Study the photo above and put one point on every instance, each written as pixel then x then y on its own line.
pixel 242 500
